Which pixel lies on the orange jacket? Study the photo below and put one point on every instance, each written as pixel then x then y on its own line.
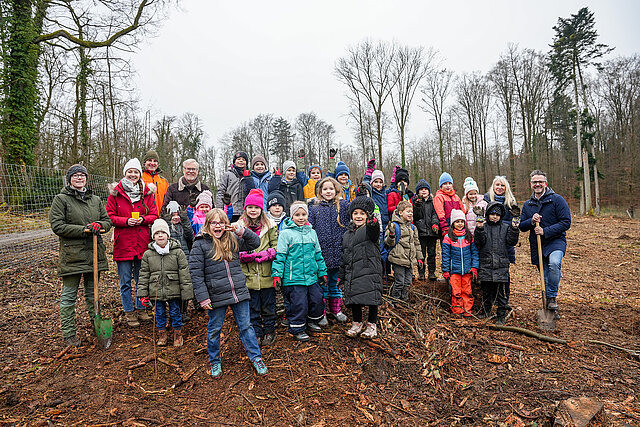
pixel 161 187
pixel 444 203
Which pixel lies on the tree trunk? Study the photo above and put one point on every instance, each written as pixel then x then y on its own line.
pixel 596 181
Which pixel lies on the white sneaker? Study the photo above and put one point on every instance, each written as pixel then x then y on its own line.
pixel 370 332
pixel 356 328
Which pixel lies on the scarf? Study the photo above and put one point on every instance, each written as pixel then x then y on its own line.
pixel 132 190
pixel 239 171
pixel 160 250
pixel 260 175
pixel 255 228
pixel 459 233
pixel 449 193
pixel 276 220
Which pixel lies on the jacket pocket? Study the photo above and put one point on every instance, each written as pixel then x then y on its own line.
pixel 75 251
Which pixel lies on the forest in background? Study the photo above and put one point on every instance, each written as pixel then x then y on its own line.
pixel 66 97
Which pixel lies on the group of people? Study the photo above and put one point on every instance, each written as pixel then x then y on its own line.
pixel 319 238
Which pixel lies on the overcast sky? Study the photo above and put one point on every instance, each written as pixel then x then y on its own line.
pixel 228 61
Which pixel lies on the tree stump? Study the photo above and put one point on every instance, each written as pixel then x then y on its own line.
pixel 580 412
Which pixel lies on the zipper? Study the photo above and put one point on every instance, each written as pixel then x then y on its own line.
pixel 233 287
pixel 461 257
pixel 162 272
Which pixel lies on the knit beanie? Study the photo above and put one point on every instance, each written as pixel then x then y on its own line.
pixel 362 202
pixel 74 169
pixel 173 207
pixel 204 198
pixel 457 214
pixel 254 198
pixel 315 167
pixel 288 164
pixel 377 174
pixel 159 225
pixel 470 184
pixel 496 208
pixel 258 159
pixel 132 164
pixel 242 154
pixel 445 177
pixel 402 175
pixel 341 168
pixel 296 206
pixel 423 184
pixel 275 198
pixel 151 154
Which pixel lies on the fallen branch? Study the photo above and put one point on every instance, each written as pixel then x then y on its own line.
pixel 408 412
pixel 633 353
pixel 391 353
pixel 407 324
pixel 254 407
pixel 73 356
pixel 143 362
pixel 510 345
pixel 166 362
pixel 63 352
pixel 185 377
pixel 529 333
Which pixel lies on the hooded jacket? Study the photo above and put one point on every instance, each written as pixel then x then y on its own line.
pixel 292 190
pixel 184 193
pixel 230 184
pixel 458 255
pixel 323 217
pixel 407 251
pixel 493 241
pixel 425 216
pixel 165 277
pixel 444 203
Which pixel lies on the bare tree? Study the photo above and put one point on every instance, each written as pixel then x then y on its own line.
pixel 436 91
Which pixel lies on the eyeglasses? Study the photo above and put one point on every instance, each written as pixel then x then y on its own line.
pixel 191 169
pixel 538 182
pixel 78 176
pixel 217 224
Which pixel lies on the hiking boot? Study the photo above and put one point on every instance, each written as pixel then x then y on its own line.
pixel 145 316
pixel 552 304
pixel 340 317
pixel 162 338
pixel 323 322
pixel 216 370
pixel 261 368
pixel 178 340
pixel 302 337
pixel 269 339
pixel 313 327
pixel 500 321
pixel 132 319
pixel 370 332
pixel 73 341
pixel 432 276
pixel 355 329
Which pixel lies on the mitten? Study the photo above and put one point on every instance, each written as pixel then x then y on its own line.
pixel 246 172
pixel 474 271
pixel 393 175
pixel 420 263
pixel 145 302
pixel 94 227
pixel 435 228
pixel 479 211
pixel 226 199
pixel 515 211
pixel 332 153
pixel 322 280
pixel 277 172
pixel 371 165
pixel 301 153
pixel 371 220
pixel 266 255
pixel 247 257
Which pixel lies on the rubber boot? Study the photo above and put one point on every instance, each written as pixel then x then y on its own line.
pixel 162 338
pixel 178 340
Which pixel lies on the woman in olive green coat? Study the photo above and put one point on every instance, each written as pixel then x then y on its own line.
pixel 73 211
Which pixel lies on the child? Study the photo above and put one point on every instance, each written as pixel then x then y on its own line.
pixel 362 284
pixel 402 237
pixel 328 216
pixel 275 209
pixel 343 176
pixel 459 263
pixel 256 266
pixel 258 177
pixel 179 226
pixel 379 192
pixel 288 184
pixel 471 200
pixel 297 267
pixel 426 220
pixel 308 183
pixel 165 279
pixel 398 190
pixel 218 283
pixel 493 239
pixel 445 201
pixel 197 216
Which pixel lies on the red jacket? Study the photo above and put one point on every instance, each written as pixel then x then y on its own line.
pixel 130 242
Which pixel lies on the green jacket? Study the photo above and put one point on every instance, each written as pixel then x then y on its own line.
pixel 407 252
pixel 69 215
pixel 259 274
pixel 299 257
pixel 165 277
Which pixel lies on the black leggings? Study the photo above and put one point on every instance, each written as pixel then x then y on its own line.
pixel 357 313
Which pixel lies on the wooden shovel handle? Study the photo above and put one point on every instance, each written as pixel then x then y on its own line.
pixel 541 268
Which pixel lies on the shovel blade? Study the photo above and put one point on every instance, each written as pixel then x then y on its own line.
pixel 104 331
pixel 546 320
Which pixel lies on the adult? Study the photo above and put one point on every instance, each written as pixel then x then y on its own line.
pixel 230 184
pixel 259 177
pixel 73 211
pixel 188 187
pixel 151 175
pixel 547 214
pixel 132 209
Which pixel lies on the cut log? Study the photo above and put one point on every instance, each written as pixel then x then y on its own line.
pixel 580 412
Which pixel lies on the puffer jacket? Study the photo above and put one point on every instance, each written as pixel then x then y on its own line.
pixel 299 259
pixel 493 242
pixel 292 190
pixel 380 199
pixel 394 197
pixel 69 215
pixel 444 203
pixel 425 216
pixel 130 242
pixel 361 268
pixel 220 281
pixel 259 274
pixel 165 277
pixel 181 231
pixel 407 251
pixel 252 181
pixel 230 184
pixel 459 256
pixel 323 217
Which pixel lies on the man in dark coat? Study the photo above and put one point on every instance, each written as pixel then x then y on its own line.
pixel 188 187
pixel 547 214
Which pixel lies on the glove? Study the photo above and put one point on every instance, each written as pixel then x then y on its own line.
pixel 362 190
pixel 193 199
pixel 226 198
pixel 371 165
pixel 435 228
pixel 515 222
pixel 420 263
pixel 94 227
pixel 515 211
pixel 474 272
pixel 371 220
pixel 246 172
pixel 277 282
pixel 247 257
pixel 392 231
pixel 446 275
pixel 266 255
pixel 277 172
pixel 145 302
pixel 301 153
pixel 332 153
pixel 322 280
pixel 239 231
pixel 393 175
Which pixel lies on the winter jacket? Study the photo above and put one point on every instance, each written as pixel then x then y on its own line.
pixel 292 190
pixel 69 215
pixel 161 185
pixel 183 193
pixel 323 217
pixel 444 203
pixel 181 231
pixel 394 197
pixel 252 181
pixel 196 219
pixel 407 251
pixel 220 281
pixel 259 274
pixel 556 220
pixel 380 198
pixel 349 192
pixel 309 189
pixel 230 184
pixel 299 256
pixel 458 255
pixel 425 216
pixel 507 216
pixel 471 216
pixel 165 277
pixel 130 242
pixel 493 242
pixel 361 269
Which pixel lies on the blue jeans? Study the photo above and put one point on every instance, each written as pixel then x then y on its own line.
pixel 246 332
pixel 552 265
pixel 127 270
pixel 174 312
pixel 331 289
pixel 263 310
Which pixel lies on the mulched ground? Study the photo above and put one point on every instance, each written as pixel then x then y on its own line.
pixel 426 368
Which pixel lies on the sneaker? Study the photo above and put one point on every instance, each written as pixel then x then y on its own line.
pixel 313 327
pixel 178 339
pixel 500 321
pixel 355 329
pixel 132 319
pixel 370 332
pixel 145 316
pixel 216 370
pixel 552 304
pixel 432 276
pixel 73 341
pixel 323 322
pixel 162 338
pixel 340 317
pixel 268 339
pixel 302 337
pixel 261 368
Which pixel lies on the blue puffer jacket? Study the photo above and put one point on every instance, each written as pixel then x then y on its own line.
pixel 556 220
pixel 459 256
pixel 380 199
pixel 323 218
pixel 220 281
pixel 255 181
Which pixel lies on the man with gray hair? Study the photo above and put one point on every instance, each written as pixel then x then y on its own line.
pixel 188 187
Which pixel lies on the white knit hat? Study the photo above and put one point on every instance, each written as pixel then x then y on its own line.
pixel 288 164
pixel 132 164
pixel 377 174
pixel 160 225
pixel 470 184
pixel 457 214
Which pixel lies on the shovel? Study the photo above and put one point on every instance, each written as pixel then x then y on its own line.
pixel 103 327
pixel 546 318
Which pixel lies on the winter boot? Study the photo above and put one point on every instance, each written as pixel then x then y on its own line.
pixel 421 272
pixel 324 322
pixel 178 340
pixel 335 306
pixel 355 330
pixel 162 338
pixel 552 304
pixel 313 327
pixel 302 336
pixel 432 275
pixel 185 312
pixel 370 332
pixel 145 315
pixel 500 321
pixel 132 318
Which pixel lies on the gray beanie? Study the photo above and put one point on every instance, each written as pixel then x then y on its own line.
pixel 74 169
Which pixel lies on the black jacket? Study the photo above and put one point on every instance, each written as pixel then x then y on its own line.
pixel 493 242
pixel 292 190
pixel 424 216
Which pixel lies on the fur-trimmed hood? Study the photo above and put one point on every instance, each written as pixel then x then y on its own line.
pixel 149 188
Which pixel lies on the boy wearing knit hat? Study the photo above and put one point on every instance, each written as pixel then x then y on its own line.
pixel 258 177
pixel 342 174
pixel 151 175
pixel 428 224
pixel 445 201
pixel 288 185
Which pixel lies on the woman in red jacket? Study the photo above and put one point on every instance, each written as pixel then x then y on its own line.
pixel 132 209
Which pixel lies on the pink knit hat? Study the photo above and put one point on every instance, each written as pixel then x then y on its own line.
pixel 457 214
pixel 255 198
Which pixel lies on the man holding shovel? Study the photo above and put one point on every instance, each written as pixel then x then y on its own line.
pixel 547 214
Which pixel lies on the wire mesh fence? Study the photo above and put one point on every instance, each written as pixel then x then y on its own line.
pixel 26 194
